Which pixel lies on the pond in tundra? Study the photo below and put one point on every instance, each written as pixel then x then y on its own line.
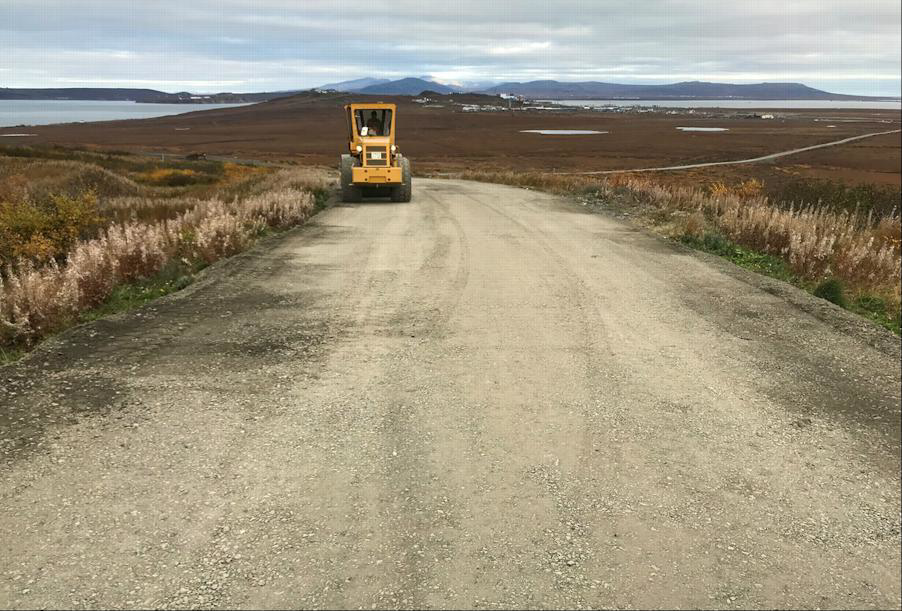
pixel 561 132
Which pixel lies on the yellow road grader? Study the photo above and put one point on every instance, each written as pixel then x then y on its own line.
pixel 373 167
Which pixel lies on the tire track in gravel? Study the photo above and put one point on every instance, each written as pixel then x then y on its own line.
pixel 485 398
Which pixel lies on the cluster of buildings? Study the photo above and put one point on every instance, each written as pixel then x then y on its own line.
pixel 524 104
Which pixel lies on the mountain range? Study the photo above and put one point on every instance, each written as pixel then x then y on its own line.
pixel 404 86
pixel 589 90
pixel 686 90
pixel 356 84
pixel 545 89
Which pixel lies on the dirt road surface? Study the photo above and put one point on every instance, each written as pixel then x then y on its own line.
pixel 488 397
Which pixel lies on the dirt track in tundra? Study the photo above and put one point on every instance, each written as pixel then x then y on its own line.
pixel 486 397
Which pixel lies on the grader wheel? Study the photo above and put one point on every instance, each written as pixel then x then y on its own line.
pixel 402 192
pixel 349 192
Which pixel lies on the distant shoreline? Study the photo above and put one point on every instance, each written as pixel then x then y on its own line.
pixel 733 103
pixel 168 103
pixel 254 98
pixel 33 113
pixel 694 91
pixel 863 99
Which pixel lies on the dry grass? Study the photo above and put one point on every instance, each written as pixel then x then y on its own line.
pixel 860 250
pixel 173 177
pixel 52 271
pixel 37 180
pixel 748 188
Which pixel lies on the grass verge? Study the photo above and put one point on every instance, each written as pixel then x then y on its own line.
pixel 8 354
pixel 759 262
pixel 173 277
pixel 875 309
pixel 872 307
pixel 65 259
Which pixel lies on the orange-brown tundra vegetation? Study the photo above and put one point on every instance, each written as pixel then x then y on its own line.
pixel 72 232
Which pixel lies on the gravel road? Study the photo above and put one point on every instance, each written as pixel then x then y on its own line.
pixel 488 397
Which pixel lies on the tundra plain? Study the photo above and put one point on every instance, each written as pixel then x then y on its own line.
pixel 310 129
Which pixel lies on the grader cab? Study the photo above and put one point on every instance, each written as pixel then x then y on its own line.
pixel 373 167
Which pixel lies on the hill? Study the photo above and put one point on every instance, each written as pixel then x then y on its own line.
pixel 355 84
pixel 83 93
pixel 406 86
pixel 697 90
pixel 108 94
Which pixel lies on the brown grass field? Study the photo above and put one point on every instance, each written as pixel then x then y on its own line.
pixel 81 217
pixel 310 129
pixel 75 231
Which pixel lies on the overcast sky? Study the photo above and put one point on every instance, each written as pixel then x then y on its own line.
pixel 846 46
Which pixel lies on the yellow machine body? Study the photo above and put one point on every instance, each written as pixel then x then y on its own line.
pixel 375 149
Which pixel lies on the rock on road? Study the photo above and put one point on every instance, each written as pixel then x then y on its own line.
pixel 488 397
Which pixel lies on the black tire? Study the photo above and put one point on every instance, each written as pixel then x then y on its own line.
pixel 349 192
pixel 403 192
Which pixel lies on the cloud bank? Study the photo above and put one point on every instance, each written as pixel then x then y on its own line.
pixel 243 45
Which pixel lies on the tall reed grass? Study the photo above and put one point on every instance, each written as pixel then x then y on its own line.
pixel 37 299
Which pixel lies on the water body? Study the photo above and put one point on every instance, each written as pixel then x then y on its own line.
pixel 561 132
pixel 785 104
pixel 47 112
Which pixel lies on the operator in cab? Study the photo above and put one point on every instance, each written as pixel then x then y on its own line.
pixel 374 125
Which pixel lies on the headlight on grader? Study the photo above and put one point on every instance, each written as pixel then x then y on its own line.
pixel 359 149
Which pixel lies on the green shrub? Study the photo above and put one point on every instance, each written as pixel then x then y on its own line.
pixel 712 242
pixel 716 243
pixel 175 177
pixel 878 309
pixel 831 289
pixel 871 303
pixel 763 263
pixel 46 230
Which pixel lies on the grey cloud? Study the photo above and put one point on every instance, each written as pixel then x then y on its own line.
pixel 278 44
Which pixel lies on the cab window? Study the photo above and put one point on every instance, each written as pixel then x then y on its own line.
pixel 376 121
